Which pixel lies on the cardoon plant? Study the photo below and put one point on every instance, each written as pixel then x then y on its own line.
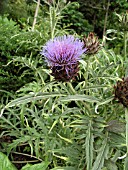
pixel 62 55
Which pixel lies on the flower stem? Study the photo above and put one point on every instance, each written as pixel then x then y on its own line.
pixel 126 156
pixel 36 14
pixel 78 102
pixel 126 109
pixel 125 52
pixel 126 119
pixel 125 45
pixel 86 78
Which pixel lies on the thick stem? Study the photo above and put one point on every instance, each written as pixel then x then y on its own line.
pixel 105 22
pixel 125 52
pixel 126 119
pixel 126 109
pixel 86 78
pixel 53 20
pixel 36 14
pixel 80 104
pixel 126 155
pixel 125 45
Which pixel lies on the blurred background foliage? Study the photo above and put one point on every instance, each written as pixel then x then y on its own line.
pixel 44 122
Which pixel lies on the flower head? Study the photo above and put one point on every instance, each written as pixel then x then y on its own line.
pixel 62 55
pixel 121 91
pixel 92 44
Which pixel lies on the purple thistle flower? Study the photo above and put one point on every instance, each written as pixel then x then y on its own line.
pixel 62 55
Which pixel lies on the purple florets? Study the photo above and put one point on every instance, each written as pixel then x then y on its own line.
pixel 62 55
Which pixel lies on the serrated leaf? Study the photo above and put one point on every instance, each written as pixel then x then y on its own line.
pixel 89 147
pixel 5 163
pixel 78 97
pixel 22 139
pixel 32 97
pixel 64 168
pixel 102 155
pixel 126 163
pixel 111 165
pixel 117 140
pixel 39 166
pixel 67 140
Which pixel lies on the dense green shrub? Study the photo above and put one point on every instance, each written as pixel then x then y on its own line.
pixel 14 43
pixel 74 19
pixel 94 12
pixel 8 28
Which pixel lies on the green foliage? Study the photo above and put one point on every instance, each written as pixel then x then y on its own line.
pixel 3 4
pixel 14 9
pixel 8 28
pixel 94 12
pixel 68 124
pixel 40 166
pixel 5 164
pixel 118 35
pixel 59 126
pixel 19 10
pixel 74 19
pixel 15 44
